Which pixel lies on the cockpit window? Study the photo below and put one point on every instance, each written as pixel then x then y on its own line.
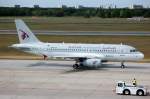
pixel 134 50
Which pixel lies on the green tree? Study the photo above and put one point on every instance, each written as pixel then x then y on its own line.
pixel 107 13
pixel 125 13
pixel 87 14
pixel 115 13
pixel 59 13
pixel 138 12
pixel 101 13
pixel 147 13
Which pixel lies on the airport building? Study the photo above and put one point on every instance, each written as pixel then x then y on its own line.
pixel 17 6
pixel 136 6
pixel 36 6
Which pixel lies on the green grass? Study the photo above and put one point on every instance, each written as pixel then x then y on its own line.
pixel 140 42
pixel 77 24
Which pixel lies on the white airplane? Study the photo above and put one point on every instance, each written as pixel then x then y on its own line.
pixel 90 55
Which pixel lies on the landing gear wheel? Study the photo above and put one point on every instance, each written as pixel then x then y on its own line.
pixel 122 65
pixel 75 66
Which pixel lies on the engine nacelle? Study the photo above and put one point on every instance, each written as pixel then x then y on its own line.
pixel 92 62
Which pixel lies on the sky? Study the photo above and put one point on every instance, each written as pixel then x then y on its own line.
pixel 71 3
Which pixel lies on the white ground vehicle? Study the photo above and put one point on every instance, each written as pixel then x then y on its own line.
pixel 122 88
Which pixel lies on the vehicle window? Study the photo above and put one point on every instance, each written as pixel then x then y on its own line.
pixel 120 85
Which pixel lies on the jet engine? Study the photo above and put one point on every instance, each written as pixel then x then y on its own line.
pixel 92 62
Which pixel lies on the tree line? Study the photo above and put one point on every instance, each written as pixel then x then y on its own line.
pixel 85 12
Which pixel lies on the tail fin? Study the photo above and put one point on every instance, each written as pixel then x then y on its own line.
pixel 24 33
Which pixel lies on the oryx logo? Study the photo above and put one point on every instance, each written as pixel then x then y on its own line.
pixel 24 35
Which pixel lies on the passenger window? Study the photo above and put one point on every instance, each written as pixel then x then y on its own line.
pixel 133 50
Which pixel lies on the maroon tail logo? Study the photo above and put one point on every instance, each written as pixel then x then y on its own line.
pixel 24 35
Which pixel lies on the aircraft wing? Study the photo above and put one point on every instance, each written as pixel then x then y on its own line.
pixel 77 55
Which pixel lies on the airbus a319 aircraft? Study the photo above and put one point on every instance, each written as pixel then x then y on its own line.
pixel 85 55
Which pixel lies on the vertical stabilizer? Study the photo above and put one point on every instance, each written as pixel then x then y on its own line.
pixel 24 33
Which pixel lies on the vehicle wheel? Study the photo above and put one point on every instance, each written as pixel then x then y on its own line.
pixel 126 92
pixel 140 93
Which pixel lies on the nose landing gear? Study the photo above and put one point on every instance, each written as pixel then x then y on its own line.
pixel 45 57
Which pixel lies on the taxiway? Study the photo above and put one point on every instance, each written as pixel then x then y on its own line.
pixel 41 79
pixel 108 33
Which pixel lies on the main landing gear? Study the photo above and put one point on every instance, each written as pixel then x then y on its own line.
pixel 76 66
pixel 122 65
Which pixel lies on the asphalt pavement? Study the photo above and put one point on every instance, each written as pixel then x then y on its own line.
pixel 42 79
